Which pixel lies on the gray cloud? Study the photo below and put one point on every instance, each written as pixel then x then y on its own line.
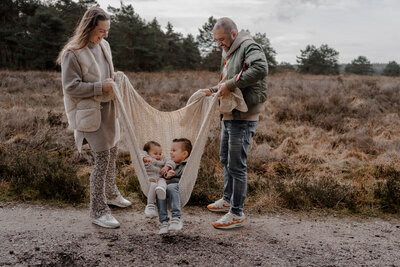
pixel 352 27
pixel 287 10
pixel 133 1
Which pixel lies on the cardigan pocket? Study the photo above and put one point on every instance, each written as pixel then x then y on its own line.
pixel 88 120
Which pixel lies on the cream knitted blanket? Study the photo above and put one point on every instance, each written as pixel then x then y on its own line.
pixel 141 123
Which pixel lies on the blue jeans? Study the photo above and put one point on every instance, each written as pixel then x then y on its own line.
pixel 235 141
pixel 175 202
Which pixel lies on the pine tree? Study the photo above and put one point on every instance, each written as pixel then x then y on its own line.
pixel 270 53
pixel 173 53
pixel 210 51
pixel 284 66
pixel 322 60
pixel 191 53
pixel 360 66
pixel 392 69
pixel 45 39
pixel 125 38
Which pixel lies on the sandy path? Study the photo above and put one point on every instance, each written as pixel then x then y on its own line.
pixel 36 235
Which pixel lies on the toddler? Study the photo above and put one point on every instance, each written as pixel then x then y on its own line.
pixel 180 151
pixel 156 165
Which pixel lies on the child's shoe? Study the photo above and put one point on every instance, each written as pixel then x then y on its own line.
pixel 163 228
pixel 229 221
pixel 161 193
pixel 150 211
pixel 176 224
pixel 219 206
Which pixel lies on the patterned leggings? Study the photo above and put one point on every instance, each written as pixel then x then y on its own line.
pixel 102 182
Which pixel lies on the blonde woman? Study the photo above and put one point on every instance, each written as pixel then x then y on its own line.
pixel 87 72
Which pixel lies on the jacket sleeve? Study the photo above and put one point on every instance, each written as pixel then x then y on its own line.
pixel 170 163
pixel 257 68
pixel 143 154
pixel 179 171
pixel 72 79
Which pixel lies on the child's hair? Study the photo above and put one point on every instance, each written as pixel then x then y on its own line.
pixel 149 145
pixel 186 144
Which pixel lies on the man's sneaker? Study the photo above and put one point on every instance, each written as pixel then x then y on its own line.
pixel 106 221
pixel 219 206
pixel 176 224
pixel 161 193
pixel 150 211
pixel 229 221
pixel 119 201
pixel 163 228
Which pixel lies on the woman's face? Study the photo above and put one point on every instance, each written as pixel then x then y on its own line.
pixel 100 32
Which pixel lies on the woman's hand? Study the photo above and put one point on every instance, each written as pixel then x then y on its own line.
pixel 106 85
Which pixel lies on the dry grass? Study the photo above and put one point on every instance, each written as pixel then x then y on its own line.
pixel 323 141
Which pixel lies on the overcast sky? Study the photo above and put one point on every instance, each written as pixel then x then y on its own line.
pixel 352 27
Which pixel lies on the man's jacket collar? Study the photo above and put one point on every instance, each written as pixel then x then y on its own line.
pixel 240 38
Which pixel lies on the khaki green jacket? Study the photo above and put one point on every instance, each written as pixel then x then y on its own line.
pixel 247 69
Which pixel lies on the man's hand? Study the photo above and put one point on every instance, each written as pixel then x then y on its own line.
pixel 207 92
pixel 165 169
pixel 147 159
pixel 170 173
pixel 106 85
pixel 223 90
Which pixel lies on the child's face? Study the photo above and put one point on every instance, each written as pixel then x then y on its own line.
pixel 177 153
pixel 155 152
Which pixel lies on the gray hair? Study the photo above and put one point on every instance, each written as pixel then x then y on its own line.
pixel 227 24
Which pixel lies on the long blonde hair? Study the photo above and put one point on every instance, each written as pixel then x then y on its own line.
pixel 81 36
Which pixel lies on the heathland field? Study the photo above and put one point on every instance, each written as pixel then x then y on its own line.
pixel 324 142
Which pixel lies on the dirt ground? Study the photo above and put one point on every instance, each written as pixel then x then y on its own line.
pixel 50 236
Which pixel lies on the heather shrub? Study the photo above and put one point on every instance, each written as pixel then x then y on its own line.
pixel 128 183
pixel 322 192
pixel 322 109
pixel 388 188
pixel 38 175
pixel 322 142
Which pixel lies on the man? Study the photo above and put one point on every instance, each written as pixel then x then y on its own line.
pixel 244 67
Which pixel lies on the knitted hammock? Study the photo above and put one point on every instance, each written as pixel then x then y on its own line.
pixel 141 123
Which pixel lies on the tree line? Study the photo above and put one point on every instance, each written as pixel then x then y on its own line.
pixel 324 60
pixel 34 31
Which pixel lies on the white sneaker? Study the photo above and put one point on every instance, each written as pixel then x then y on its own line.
pixel 106 221
pixel 119 201
pixel 161 193
pixel 163 228
pixel 176 224
pixel 229 221
pixel 219 206
pixel 150 211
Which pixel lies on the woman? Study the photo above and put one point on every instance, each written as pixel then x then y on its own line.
pixel 87 72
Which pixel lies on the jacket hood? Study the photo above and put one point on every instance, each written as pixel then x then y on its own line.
pixel 240 38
